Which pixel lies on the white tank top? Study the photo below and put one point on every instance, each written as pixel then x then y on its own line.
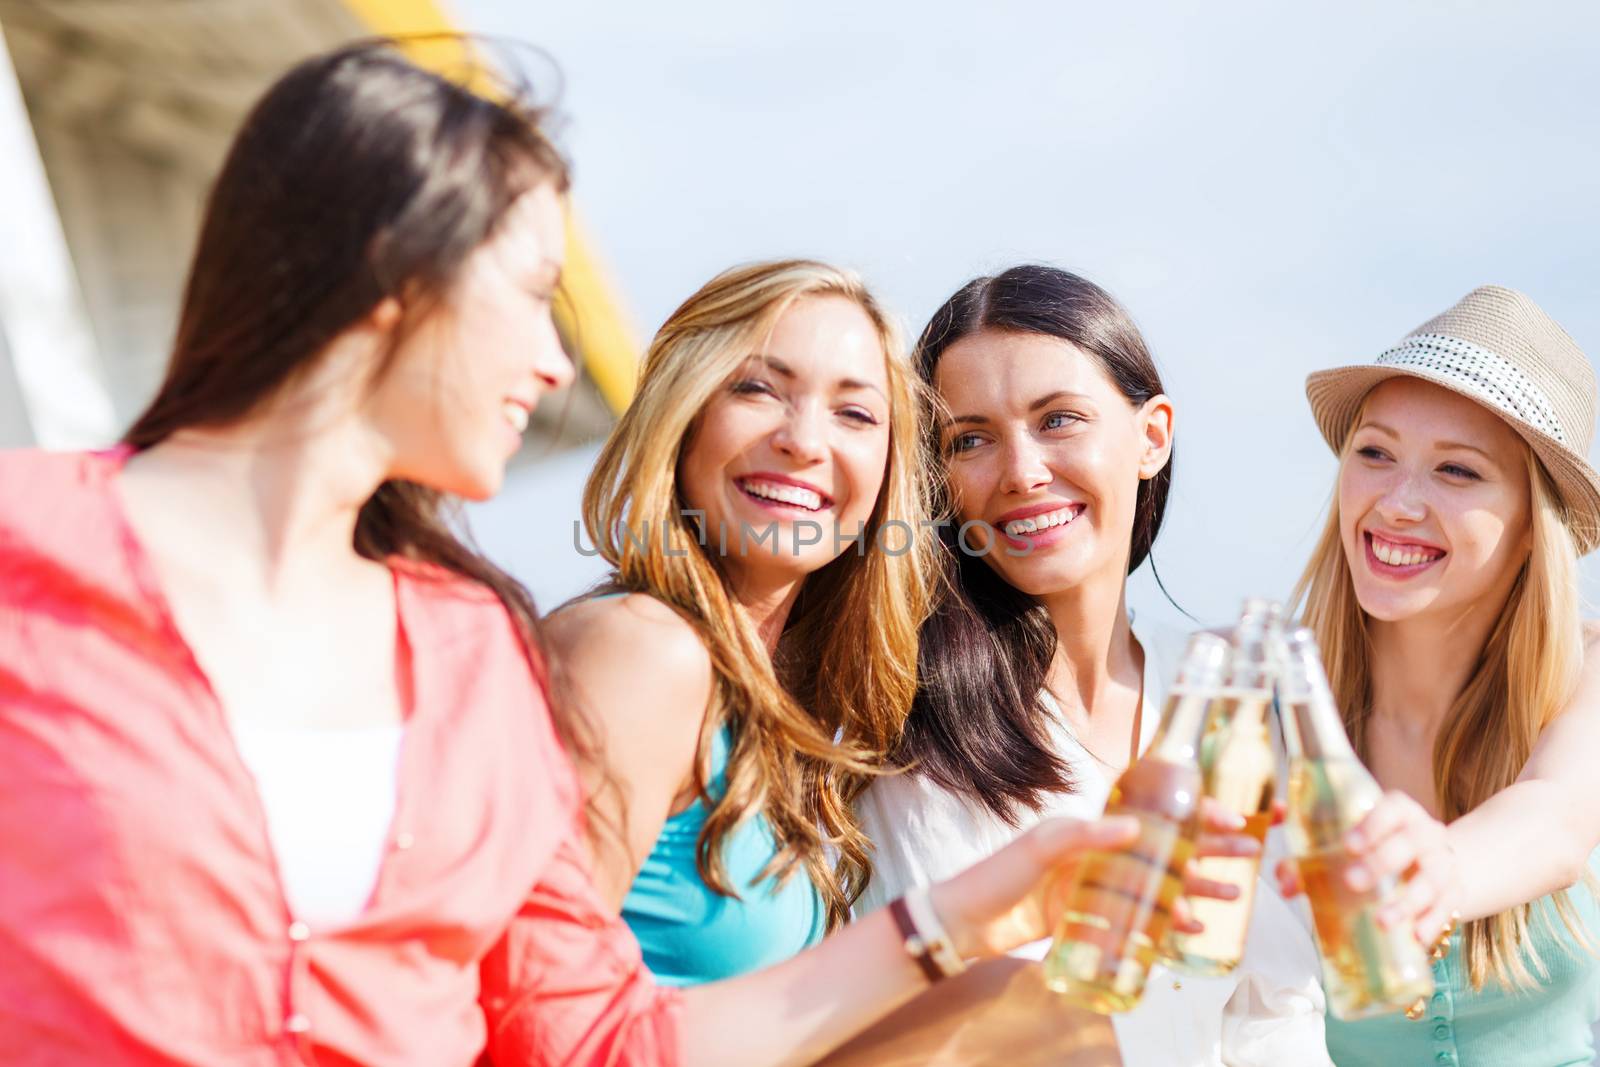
pixel 329 797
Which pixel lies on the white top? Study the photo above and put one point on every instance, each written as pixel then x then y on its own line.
pixel 1268 1013
pixel 329 797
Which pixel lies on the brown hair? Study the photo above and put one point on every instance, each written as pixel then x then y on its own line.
pixel 979 727
pixel 357 177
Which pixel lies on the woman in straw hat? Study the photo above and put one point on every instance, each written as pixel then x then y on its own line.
pixel 1444 593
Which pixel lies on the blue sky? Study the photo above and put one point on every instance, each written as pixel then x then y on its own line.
pixel 1270 188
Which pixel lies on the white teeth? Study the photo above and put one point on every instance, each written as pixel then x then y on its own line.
pixel 516 415
pixel 1037 523
pixel 1401 555
pixel 785 494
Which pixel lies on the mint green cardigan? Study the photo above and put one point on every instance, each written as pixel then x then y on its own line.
pixel 1550 1026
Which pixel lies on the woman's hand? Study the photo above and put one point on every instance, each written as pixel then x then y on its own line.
pixel 1003 901
pixel 1399 839
pixel 1221 834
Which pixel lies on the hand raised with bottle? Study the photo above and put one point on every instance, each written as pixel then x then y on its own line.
pixel 1398 838
pixel 1003 901
pixel 1223 834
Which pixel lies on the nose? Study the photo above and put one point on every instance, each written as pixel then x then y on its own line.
pixel 1025 469
pixel 1402 500
pixel 802 435
pixel 553 367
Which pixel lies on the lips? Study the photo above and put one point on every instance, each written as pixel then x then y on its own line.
pixel 773 490
pixel 1042 521
pixel 1036 526
pixel 1392 558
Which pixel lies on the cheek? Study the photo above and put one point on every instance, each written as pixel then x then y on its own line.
pixel 1483 537
pixel 969 484
pixel 721 437
pixel 1099 469
pixel 865 463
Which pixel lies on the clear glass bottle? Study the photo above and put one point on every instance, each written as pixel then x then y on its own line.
pixel 1239 768
pixel 1366 969
pixel 1119 904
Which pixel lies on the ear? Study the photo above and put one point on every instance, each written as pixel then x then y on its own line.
pixel 384 316
pixel 1155 422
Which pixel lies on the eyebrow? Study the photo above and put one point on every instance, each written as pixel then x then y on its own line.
pixel 1042 402
pixel 1441 445
pixel 787 371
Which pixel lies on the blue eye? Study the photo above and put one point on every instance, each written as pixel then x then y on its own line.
pixel 1059 420
pixel 962 442
pixel 1371 452
pixel 1456 470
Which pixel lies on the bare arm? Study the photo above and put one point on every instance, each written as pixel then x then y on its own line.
pixel 639 674
pixel 800 1010
pixel 1462 867
pixel 1549 811
pixel 998 1012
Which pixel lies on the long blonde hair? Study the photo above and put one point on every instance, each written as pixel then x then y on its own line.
pixel 809 731
pixel 1525 675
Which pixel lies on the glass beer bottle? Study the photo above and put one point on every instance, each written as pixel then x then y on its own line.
pixel 1239 769
pixel 1366 969
pixel 1119 903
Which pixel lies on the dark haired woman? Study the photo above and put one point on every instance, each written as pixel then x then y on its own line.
pixel 278 783
pixel 1038 685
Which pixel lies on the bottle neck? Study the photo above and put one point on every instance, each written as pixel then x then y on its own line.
pixel 1183 724
pixel 1313 728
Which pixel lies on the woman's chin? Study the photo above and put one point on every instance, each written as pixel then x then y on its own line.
pixel 1385 605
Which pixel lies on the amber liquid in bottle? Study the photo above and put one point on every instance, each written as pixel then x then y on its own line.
pixel 1119 904
pixel 1366 969
pixel 1238 769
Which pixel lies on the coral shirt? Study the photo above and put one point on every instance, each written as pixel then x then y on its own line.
pixel 142 920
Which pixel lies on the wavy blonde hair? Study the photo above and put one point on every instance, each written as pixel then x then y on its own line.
pixel 1525 676
pixel 814 723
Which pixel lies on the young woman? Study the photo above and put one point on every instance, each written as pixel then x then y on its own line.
pixel 277 779
pixel 1464 499
pixel 1037 686
pixel 757 501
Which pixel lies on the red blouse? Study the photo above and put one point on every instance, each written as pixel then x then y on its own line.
pixel 141 916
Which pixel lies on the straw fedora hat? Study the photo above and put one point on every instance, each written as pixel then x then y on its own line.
pixel 1498 348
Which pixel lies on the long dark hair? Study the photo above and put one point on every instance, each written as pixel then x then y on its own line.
pixel 977 725
pixel 358 176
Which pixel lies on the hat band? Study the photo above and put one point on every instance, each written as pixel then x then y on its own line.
pixel 1485 374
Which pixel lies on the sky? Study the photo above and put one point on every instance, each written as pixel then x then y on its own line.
pixel 1269 188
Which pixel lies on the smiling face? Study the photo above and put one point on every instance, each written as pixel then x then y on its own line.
pixel 1434 510
pixel 456 398
pixel 1045 450
pixel 798 436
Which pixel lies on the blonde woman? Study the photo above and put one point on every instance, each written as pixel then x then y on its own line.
pixel 757 502
pixel 1444 592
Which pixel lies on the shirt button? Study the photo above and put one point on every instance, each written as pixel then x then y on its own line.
pixel 1439 999
pixel 299 931
pixel 1444 1058
pixel 404 840
pixel 1441 1032
pixel 297 1024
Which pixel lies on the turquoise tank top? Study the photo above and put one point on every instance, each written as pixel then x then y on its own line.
pixel 689 933
pixel 1549 1026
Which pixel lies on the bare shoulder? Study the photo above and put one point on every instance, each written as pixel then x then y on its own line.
pixel 630 646
pixel 635 629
